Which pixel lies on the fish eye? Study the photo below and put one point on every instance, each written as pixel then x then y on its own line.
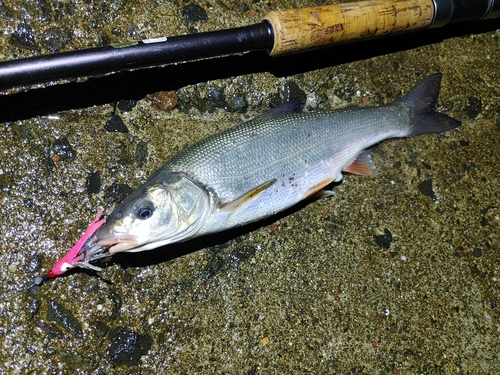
pixel 145 211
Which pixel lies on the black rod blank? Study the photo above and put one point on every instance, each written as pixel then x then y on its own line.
pixel 101 60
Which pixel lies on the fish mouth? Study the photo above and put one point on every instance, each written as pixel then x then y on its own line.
pixel 118 244
pixel 96 249
pixel 93 246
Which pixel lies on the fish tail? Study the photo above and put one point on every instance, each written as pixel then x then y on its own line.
pixel 422 100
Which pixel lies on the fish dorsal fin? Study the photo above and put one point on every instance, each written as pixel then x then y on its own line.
pixel 362 165
pixel 241 201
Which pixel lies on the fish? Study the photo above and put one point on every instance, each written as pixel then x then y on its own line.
pixel 253 171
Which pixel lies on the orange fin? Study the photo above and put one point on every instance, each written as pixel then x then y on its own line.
pixel 322 193
pixel 238 203
pixel 319 188
pixel 362 165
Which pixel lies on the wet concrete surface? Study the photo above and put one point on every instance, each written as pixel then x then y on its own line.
pixel 397 274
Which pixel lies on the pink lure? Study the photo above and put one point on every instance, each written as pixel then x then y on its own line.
pixel 74 256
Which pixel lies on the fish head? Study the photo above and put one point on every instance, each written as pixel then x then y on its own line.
pixel 169 207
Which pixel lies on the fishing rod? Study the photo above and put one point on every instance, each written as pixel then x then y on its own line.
pixel 280 33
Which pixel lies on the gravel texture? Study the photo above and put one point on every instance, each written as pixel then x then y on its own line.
pixel 397 274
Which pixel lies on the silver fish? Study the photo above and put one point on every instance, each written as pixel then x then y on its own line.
pixel 257 169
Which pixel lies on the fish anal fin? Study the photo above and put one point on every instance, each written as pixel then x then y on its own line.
pixel 362 165
pixel 321 194
pixel 238 203
pixel 319 190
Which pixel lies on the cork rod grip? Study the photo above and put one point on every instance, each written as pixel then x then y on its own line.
pixel 307 28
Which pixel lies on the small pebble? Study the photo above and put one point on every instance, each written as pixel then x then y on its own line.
pixel 5 12
pixel 117 192
pixel 215 97
pixel 141 153
pixel 125 105
pixel 127 347
pixel 474 108
pixel 237 103
pixel 243 253
pixel 291 92
pixel 93 184
pixel 35 290
pixel 38 280
pixel 425 187
pixel 384 240
pixel 193 12
pixel 264 341
pixel 55 38
pixel 116 125
pixel 64 317
pixel 164 101
pixel 63 149
pixel 24 37
pixel 32 305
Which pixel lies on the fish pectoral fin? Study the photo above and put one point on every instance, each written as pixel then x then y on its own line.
pixel 238 203
pixel 362 165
